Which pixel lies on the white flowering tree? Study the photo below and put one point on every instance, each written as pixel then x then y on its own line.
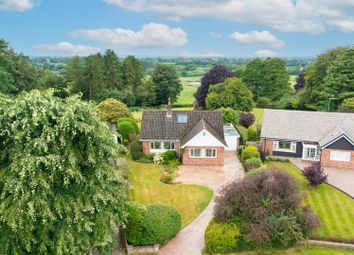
pixel 58 192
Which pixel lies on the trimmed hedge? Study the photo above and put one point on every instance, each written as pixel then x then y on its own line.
pixel 169 155
pixel 221 237
pixel 127 127
pixel 159 224
pixel 253 163
pixel 136 150
pixel 252 134
pixel 249 152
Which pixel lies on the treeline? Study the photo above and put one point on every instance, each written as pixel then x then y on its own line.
pixel 96 77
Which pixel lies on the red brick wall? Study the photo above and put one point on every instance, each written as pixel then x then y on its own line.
pixel 325 159
pixel 219 160
pixel 267 146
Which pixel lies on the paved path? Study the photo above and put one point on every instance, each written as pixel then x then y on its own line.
pixel 190 240
pixel 343 179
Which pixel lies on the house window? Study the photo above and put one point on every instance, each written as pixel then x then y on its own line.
pixel 169 145
pixel 285 146
pixel 210 153
pixel 195 153
pixel 155 145
pixel 311 152
pixel 340 156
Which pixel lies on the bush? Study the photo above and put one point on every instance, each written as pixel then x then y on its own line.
pixel 347 105
pixel 158 158
pixel 249 152
pixel 134 229
pixel 169 155
pixel 315 174
pixel 167 178
pixel 149 156
pixel 253 163
pixel 230 115
pixel 221 237
pixel 262 154
pixel 174 163
pixel 136 150
pixel 246 119
pixel 240 149
pixel 144 160
pixel 252 134
pixel 127 128
pixel 111 110
pixel 264 102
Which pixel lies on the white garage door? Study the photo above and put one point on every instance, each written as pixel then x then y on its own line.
pixel 231 137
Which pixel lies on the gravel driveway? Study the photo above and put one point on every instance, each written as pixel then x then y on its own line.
pixel 190 240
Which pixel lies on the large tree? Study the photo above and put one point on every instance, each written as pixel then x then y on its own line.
pixel 215 75
pixel 231 93
pixel 58 191
pixel 166 84
pixel 300 81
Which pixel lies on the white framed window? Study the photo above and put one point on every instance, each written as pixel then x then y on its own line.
pixel 168 145
pixel 340 156
pixel 311 152
pixel 195 153
pixel 155 145
pixel 160 146
pixel 285 146
pixel 210 153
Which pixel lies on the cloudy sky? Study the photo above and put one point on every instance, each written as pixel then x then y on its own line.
pixel 233 28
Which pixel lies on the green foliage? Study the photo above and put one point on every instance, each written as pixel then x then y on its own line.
pixel 128 128
pixel 230 115
pixel 221 237
pixel 111 110
pixel 169 155
pixel 134 228
pixel 231 93
pixel 166 84
pixel 288 101
pixel 58 191
pixel 136 150
pixel 264 102
pixel 347 105
pixel 253 163
pixel 167 178
pixel 252 134
pixel 249 152
pixel 159 224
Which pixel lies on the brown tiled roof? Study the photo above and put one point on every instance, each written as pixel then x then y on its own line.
pixel 157 126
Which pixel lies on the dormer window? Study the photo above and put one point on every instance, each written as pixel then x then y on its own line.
pixel 182 118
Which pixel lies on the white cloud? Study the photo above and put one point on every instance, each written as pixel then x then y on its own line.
pixel 343 25
pixel 265 53
pixel 262 38
pixel 16 5
pixel 67 49
pixel 215 35
pixel 151 36
pixel 310 16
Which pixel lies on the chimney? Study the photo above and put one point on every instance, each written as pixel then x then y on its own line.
pixel 169 111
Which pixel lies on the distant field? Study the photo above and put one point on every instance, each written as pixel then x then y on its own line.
pixel 190 85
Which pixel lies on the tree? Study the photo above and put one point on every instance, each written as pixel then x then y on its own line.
pixel 112 71
pixel 231 93
pixel 300 81
pixel 215 75
pixel 347 105
pixel 112 110
pixel 166 84
pixel 58 191
pixel 252 76
pixel 246 119
pixel 133 75
pixel 315 174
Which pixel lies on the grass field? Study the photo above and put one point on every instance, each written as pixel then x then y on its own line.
pixel 334 208
pixel 190 85
pixel 189 200
pixel 300 250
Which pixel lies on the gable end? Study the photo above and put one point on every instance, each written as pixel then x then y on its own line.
pixel 342 143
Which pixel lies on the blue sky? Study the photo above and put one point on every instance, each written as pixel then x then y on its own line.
pixel 232 28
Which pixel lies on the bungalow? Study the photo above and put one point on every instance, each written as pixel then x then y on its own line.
pixel 327 137
pixel 197 136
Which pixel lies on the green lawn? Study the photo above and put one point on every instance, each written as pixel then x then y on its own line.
pixel 190 85
pixel 334 208
pixel 189 200
pixel 301 250
pixel 258 114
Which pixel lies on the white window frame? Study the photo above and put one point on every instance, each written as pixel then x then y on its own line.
pixel 202 152
pixel 162 146
pixel 292 146
pixel 192 153
pixel 213 152
pixel 343 156
pixel 309 146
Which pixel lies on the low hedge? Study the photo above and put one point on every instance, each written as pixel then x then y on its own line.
pixel 249 152
pixel 253 163
pixel 155 225
pixel 221 237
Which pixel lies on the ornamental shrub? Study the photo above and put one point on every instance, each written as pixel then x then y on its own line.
pixel 169 155
pixel 315 174
pixel 253 163
pixel 127 128
pixel 230 115
pixel 134 227
pixel 111 110
pixel 221 237
pixel 249 152
pixel 264 102
pixel 246 119
pixel 158 158
pixel 136 150
pixel 347 105
pixel 252 134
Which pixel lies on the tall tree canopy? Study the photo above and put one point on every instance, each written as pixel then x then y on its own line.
pixel 231 93
pixel 215 75
pixel 267 78
pixel 166 84
pixel 58 191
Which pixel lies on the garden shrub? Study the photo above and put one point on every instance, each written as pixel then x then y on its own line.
pixel 127 128
pixel 167 178
pixel 253 163
pixel 144 160
pixel 174 163
pixel 268 208
pixel 221 237
pixel 149 156
pixel 264 102
pixel 347 105
pixel 249 152
pixel 252 134
pixel 246 119
pixel 158 158
pixel 169 155
pixel 240 149
pixel 134 229
pixel 136 150
pixel 262 154
pixel 111 110
pixel 315 174
pixel 230 115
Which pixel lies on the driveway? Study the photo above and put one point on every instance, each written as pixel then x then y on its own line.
pixel 342 179
pixel 190 240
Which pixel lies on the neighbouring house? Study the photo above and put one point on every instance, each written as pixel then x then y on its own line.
pixel 198 137
pixel 327 137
